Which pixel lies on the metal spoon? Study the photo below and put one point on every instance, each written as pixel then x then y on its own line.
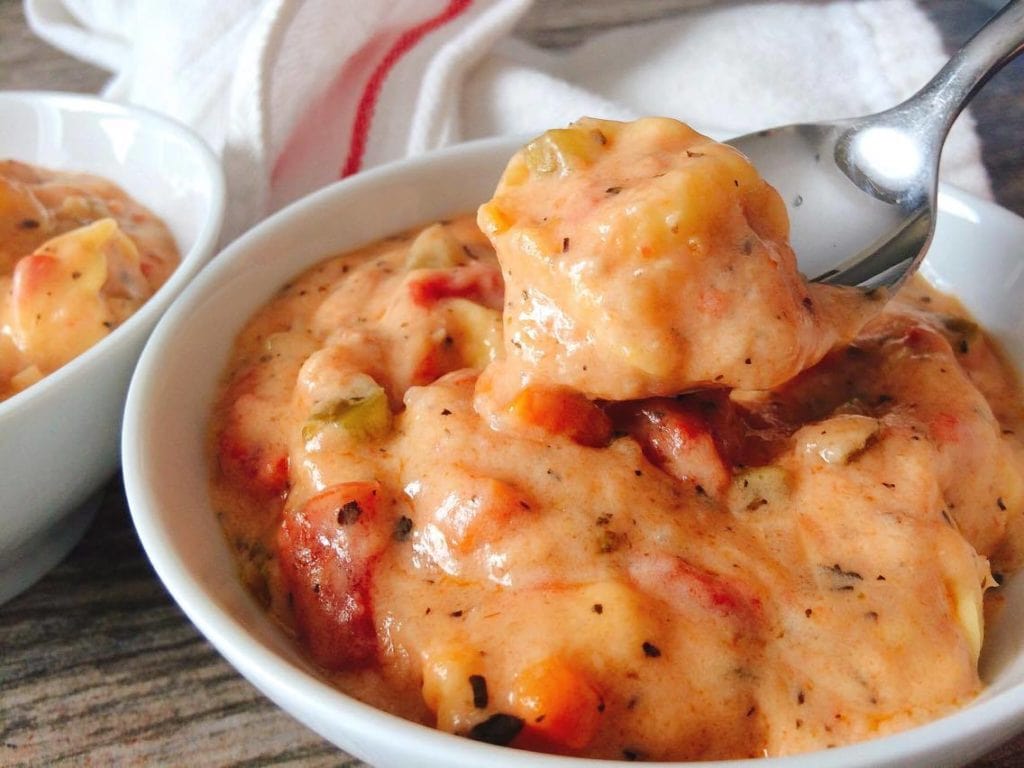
pixel 862 191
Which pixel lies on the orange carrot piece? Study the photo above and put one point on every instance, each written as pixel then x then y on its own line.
pixel 563 412
pixel 560 707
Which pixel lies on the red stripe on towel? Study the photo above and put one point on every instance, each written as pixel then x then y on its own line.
pixel 371 93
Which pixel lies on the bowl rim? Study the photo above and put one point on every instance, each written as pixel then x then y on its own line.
pixel 191 261
pixel 280 679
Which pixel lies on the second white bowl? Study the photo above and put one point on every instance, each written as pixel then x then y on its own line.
pixel 59 438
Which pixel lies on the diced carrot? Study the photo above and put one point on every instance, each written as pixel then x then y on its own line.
pixel 560 707
pixel 327 550
pixel 563 411
pixel 478 511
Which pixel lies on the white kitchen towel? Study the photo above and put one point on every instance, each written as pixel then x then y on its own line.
pixel 294 94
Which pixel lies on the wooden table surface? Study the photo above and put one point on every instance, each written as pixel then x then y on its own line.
pixel 98 666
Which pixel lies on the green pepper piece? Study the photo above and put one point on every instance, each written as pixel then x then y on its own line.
pixel 365 417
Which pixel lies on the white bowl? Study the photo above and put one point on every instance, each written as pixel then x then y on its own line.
pixel 60 436
pixel 977 248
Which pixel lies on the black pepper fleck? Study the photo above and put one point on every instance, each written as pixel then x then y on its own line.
pixel 403 526
pixel 349 512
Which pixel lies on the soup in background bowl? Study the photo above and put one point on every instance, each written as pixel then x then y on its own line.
pixel 61 433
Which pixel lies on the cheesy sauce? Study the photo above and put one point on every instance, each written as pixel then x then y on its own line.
pixel 77 258
pixel 627 487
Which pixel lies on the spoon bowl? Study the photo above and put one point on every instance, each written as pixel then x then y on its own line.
pixel 874 179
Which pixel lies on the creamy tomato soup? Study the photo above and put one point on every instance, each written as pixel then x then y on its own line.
pixel 626 487
pixel 77 257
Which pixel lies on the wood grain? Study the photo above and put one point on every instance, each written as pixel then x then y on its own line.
pixel 98 666
pixel 26 63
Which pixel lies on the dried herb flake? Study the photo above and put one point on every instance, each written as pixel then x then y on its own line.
pixel 497 729
pixel 479 685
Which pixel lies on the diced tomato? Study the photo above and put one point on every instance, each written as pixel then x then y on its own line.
pixel 563 411
pixel 327 550
pixel 476 281
pixel 944 427
pixel 436 361
pixel 35 271
pixel 922 339
pixel 714 591
pixel 678 581
pixel 713 302
pixel 260 469
pixel 558 704
pixel 677 436
pixel 249 452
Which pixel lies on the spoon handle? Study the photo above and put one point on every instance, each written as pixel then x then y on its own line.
pixel 941 100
